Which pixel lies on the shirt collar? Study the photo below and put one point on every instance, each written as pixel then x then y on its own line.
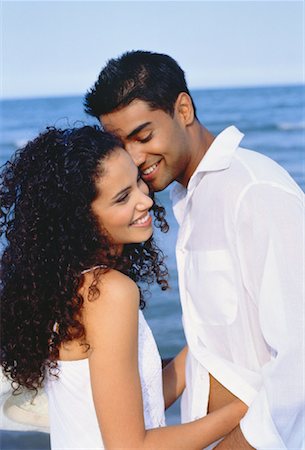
pixel 218 157
pixel 220 153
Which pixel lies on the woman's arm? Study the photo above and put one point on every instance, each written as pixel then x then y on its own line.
pixel 111 323
pixel 174 378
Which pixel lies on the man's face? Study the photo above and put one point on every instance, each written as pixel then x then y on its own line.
pixel 156 141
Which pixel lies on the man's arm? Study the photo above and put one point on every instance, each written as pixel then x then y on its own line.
pixel 270 241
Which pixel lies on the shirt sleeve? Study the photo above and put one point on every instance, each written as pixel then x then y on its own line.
pixel 270 242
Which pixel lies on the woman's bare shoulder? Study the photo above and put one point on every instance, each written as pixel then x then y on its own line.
pixel 109 286
pixel 110 309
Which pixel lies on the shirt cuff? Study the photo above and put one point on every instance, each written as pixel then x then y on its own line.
pixel 258 427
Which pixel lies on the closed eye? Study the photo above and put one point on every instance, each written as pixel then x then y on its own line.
pixel 123 198
pixel 145 139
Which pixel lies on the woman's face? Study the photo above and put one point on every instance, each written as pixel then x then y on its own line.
pixel 122 205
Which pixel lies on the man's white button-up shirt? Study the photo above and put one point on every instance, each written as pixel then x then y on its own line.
pixel 240 259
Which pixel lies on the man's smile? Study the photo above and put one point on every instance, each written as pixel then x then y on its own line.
pixel 149 169
pixel 149 173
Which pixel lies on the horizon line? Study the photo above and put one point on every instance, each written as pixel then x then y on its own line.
pixel 192 89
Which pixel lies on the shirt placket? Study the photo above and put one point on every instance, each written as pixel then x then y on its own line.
pixel 183 236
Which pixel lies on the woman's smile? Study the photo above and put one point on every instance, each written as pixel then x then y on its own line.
pixel 143 221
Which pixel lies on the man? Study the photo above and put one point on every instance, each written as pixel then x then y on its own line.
pixel 239 249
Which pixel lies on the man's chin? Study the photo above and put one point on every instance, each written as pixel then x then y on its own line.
pixel 158 186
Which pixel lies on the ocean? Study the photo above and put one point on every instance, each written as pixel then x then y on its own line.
pixel 273 121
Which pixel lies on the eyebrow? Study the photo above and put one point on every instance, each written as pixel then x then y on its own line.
pixel 137 130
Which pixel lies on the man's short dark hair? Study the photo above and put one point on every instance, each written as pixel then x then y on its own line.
pixel 152 77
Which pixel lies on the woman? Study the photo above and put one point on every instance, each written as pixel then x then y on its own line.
pixel 76 217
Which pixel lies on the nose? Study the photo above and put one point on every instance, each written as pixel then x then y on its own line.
pixel 137 156
pixel 145 202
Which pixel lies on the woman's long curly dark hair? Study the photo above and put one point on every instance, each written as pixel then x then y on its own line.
pixel 50 236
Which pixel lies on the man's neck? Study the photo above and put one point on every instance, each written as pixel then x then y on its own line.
pixel 200 141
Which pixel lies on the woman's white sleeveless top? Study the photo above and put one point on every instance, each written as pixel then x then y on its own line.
pixel 73 421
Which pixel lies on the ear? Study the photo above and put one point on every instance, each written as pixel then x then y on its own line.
pixel 184 108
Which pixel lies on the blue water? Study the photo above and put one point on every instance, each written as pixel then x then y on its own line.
pixel 273 121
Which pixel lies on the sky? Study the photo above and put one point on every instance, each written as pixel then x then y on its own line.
pixel 52 48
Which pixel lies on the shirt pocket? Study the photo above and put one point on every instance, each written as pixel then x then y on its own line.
pixel 210 285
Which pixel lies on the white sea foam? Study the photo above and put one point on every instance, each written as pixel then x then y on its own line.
pixel 287 126
pixel 20 143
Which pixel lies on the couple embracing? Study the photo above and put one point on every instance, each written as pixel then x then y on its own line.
pixel 77 210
